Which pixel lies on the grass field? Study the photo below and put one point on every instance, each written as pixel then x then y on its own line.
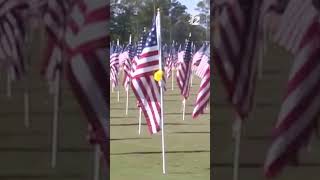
pixel 138 157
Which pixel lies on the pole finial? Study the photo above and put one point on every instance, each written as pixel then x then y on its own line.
pixel 158 9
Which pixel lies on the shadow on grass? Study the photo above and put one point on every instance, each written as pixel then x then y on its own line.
pixel 259 165
pixel 199 132
pixel 125 139
pixel 159 152
pixel 123 109
pixel 43 149
pixel 129 124
pixel 42 176
pixel 15 134
pixel 170 124
pixel 121 117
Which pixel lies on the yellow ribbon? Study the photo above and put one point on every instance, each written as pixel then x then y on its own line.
pixel 158 75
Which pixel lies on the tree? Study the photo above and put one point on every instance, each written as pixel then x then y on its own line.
pixel 131 16
pixel 204 12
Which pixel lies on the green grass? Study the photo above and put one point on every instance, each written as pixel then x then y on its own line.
pixel 138 157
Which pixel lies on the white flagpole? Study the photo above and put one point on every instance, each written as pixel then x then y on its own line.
pixel 191 83
pixel 26 108
pixel 184 108
pixel 191 77
pixel 237 126
pixel 9 88
pixel 172 74
pixel 118 43
pixel 140 111
pixel 26 85
pixel 158 23
pixel 127 104
pixel 96 165
pixel 56 114
pixel 56 106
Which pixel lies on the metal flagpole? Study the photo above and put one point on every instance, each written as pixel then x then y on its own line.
pixel 237 126
pixel 158 23
pixel 140 111
pixel 26 85
pixel 191 78
pixel 9 79
pixel 118 44
pixel 57 102
pixel 191 69
pixel 96 165
pixel 172 74
pixel 184 99
pixel 127 104
pixel 184 108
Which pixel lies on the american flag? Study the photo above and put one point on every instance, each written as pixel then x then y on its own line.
pixel 202 67
pixel 139 48
pixel 114 66
pixel 55 17
pixel 127 65
pixel 13 15
pixel 184 71
pixel 235 51
pixel 203 96
pixel 198 55
pixel 86 69
pixel 172 59
pixel 300 108
pixel 145 88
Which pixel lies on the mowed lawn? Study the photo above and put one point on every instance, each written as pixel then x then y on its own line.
pixel 138 157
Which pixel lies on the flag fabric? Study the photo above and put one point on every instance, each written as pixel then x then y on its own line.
pixel 144 86
pixel 13 15
pixel 198 55
pixel 171 60
pixel 203 96
pixel 55 17
pixel 86 69
pixel 300 108
pixel 138 51
pixel 236 51
pixel 184 70
pixel 127 65
pixel 202 67
pixel 114 66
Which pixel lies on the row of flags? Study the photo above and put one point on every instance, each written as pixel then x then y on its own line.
pixel 146 67
pixel 237 50
pixel 140 64
pixel 75 50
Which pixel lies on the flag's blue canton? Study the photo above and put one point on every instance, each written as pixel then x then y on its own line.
pixel 131 51
pixel 188 50
pixel 112 49
pixel 152 37
pixel 141 44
